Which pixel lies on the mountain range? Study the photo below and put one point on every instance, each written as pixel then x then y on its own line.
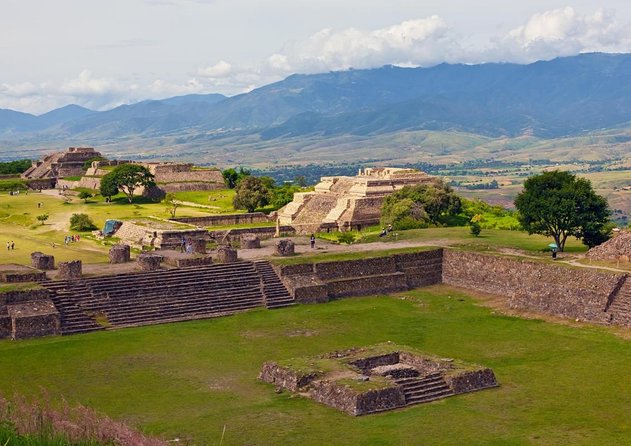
pixel 563 97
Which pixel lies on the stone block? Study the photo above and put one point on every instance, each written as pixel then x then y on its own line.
pixel 198 245
pixel 149 262
pixel 42 261
pixel 250 241
pixel 70 270
pixel 285 248
pixel 226 254
pixel 120 254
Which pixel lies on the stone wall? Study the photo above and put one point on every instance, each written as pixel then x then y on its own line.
pixel 356 268
pixel 365 364
pixel 34 319
pixel 353 402
pixel 285 377
pixel 225 220
pixel 470 381
pixel 367 285
pixel 16 297
pixel 232 235
pixel 534 286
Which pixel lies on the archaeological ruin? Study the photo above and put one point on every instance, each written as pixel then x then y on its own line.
pixel 61 169
pixel 348 203
pixel 166 289
pixel 382 377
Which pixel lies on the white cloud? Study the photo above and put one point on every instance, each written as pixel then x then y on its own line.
pixel 219 70
pixel 420 42
pixel 564 32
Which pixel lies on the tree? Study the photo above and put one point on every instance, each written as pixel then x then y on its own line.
pixel 232 177
pixel 81 222
pixel 419 206
pixel 129 177
pixel 251 193
pixel 171 204
pixel 558 204
pixel 108 186
pixel 85 195
pixel 42 218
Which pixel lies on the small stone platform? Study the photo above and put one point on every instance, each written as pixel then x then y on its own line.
pixel 372 379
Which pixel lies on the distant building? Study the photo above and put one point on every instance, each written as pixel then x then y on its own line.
pixel 61 164
pixel 348 203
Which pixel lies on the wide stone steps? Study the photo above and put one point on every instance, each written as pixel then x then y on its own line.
pixel 154 297
pixel 276 294
pixel 620 309
pixel 422 390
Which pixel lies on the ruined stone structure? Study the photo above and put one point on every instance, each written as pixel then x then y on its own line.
pixel 285 248
pixel 160 234
pixel 61 164
pixel 226 254
pixel 250 241
pixel 170 177
pixel 70 270
pixel 383 377
pixel 166 295
pixel 42 261
pixel 348 203
pixel 149 262
pixel 618 248
pixel 120 254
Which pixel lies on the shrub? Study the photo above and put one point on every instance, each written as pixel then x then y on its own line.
pixel 346 237
pixel 475 228
pixel 81 222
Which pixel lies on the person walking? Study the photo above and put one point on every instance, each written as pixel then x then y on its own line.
pixel 12 244
pixel 8 245
pixel 312 240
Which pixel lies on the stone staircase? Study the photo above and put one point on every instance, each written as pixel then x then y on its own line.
pixel 620 309
pixel 155 297
pixel 276 295
pixel 66 296
pixel 424 389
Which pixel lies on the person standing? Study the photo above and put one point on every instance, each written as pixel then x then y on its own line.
pixel 12 244
pixel 312 240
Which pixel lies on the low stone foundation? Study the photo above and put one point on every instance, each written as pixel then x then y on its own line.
pixel 366 380
pixel 70 270
pixel 120 254
pixel 34 319
pixel 149 262
pixel 13 273
pixel 189 261
pixel 285 248
pixel 226 254
pixel 42 261
pixel 250 241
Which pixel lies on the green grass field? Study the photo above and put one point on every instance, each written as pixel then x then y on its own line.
pixel 560 384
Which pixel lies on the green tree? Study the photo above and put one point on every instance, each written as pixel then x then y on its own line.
pixel 232 177
pixel 127 178
pixel 251 193
pixel 81 222
pixel 108 187
pixel 558 204
pixel 85 195
pixel 171 204
pixel 42 218
pixel 419 206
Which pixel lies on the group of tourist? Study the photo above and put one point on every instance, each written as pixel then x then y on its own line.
pixel 385 231
pixel 10 245
pixel 186 245
pixel 71 239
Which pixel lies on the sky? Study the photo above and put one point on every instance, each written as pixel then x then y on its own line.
pixel 101 54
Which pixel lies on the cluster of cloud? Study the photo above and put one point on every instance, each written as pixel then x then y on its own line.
pixel 421 42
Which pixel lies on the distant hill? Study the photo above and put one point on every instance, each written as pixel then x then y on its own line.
pixel 564 97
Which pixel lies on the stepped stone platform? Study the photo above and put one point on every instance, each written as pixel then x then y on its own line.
pixel 373 379
pixel 143 298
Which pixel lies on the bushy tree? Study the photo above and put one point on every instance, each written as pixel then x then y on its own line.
pixel 420 206
pixel 559 204
pixel 108 187
pixel 251 193
pixel 128 178
pixel 81 222
pixel 42 218
pixel 85 195
pixel 283 195
pixel 232 176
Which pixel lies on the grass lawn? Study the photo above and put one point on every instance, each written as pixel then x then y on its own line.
pixel 220 200
pixel 488 239
pixel 18 223
pixel 560 384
